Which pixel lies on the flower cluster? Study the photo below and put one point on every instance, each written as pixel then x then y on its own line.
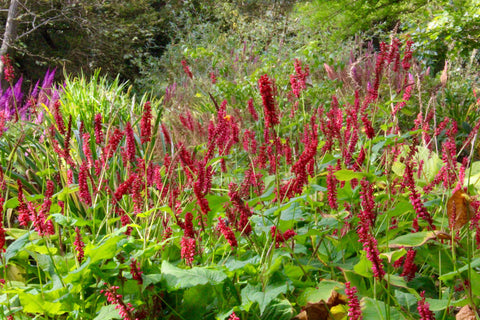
pixel 79 245
pixel 125 310
pixel 227 233
pixel 423 308
pixel 280 237
pixel 136 272
pixel 354 311
pixel 8 72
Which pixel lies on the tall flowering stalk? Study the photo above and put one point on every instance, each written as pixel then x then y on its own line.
pixel 186 69
pixel 298 80
pixel 146 123
pixel 98 129
pixel 367 222
pixel 423 308
pixel 125 310
pixel 354 311
pixel 227 233
pixel 266 91
pixel 332 187
pixel 84 191
pixel 8 72
pixel 79 245
pixel 136 272
pixel 2 230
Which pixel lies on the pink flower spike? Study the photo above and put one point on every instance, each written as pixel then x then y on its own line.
pixel 354 311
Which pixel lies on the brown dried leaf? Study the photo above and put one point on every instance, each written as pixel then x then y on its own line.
pixel 458 210
pixel 321 310
pixel 466 313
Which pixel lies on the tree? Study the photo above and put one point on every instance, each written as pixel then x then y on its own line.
pixel 10 30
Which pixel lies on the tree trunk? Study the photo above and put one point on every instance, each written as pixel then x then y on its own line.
pixel 10 30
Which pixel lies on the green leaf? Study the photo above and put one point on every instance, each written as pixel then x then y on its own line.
pixel 16 246
pixel 177 278
pixel 451 275
pixel 393 256
pixel 103 251
pixel 437 304
pixel 11 203
pixel 279 309
pixel 61 195
pixel 405 299
pixel 364 267
pixel 413 239
pixel 34 303
pixel 322 291
pixel 251 294
pixel 375 309
pixel 107 313
pixel 398 168
pixel 347 175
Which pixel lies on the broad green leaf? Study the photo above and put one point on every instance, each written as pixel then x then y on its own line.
pixel 16 246
pixel 34 303
pixel 437 304
pixel 364 267
pixel 393 256
pixel 400 208
pixel 451 275
pixel 416 239
pixel 322 291
pixel 405 299
pixel 15 232
pixel 263 297
pixel 11 203
pixel 107 313
pixel 377 310
pixel 41 249
pixel 103 251
pixel 347 175
pixel 279 309
pixel 396 281
pixel 177 278
pixel 398 168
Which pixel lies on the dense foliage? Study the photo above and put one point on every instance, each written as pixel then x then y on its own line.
pixel 268 173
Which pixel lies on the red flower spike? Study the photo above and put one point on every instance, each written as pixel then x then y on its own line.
pixel 146 123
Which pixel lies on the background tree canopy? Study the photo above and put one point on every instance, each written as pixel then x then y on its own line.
pixel 136 39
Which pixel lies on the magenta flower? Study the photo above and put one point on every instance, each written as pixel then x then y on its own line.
pixel 2 230
pixel 251 109
pixel 8 72
pixel 186 69
pixel 136 272
pixel 233 316
pixel 146 123
pixel 84 191
pixel 332 187
pixel 130 142
pixel 423 308
pixel 227 233
pixel 280 237
pixel 125 310
pixel 354 310
pixel 79 245
pixel 57 115
pixel 266 91
pixel 409 266
pixel 188 249
pixel 98 129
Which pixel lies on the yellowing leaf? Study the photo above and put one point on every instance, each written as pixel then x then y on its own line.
pixel 459 210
